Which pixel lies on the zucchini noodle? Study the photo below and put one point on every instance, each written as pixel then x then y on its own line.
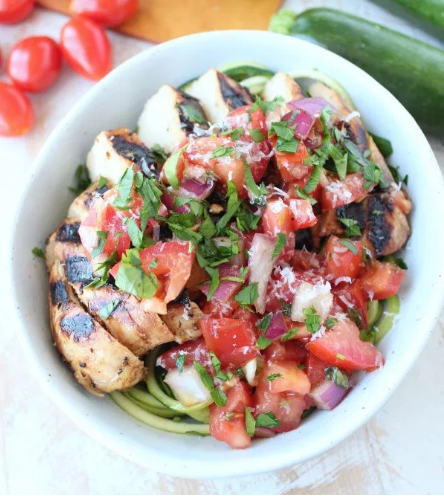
pixel 382 328
pixel 160 412
pixel 255 84
pixel 157 422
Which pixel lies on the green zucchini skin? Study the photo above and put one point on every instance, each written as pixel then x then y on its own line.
pixel 412 70
pixel 433 10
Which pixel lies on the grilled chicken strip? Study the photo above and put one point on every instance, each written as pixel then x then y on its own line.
pixel 218 94
pixel 115 151
pixel 81 206
pixel 100 363
pixel 182 318
pixel 119 312
pixel 354 126
pixel 169 117
pixel 384 225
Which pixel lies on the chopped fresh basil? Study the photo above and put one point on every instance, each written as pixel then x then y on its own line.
pixel 337 376
pixel 108 309
pixel 352 227
pixel 235 133
pixel 349 244
pixel 265 106
pixel 286 307
pixel 180 362
pixel 159 154
pixel 287 146
pixel 151 201
pixel 313 180
pixel 307 412
pixel 250 423
pixel 312 320
pixel 281 130
pixel 257 135
pixel 124 187
pixel 248 295
pixel 217 395
pixel 330 322
pixel 372 174
pixel 38 252
pixel 103 181
pixel 170 167
pixel 302 367
pixel 215 281
pixel 102 235
pixel 257 192
pixel 302 194
pixel 339 159
pixel 135 281
pixel 134 232
pixel 384 145
pixel 290 334
pixel 218 368
pixel 267 420
pixel 272 377
pixel 207 228
pixel 263 342
pixel 83 181
pixel 192 114
pixel 340 356
pixel 264 323
pixel 280 243
pixel 222 151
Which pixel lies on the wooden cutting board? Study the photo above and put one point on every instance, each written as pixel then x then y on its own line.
pixel 162 20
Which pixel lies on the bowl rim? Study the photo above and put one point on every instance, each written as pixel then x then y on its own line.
pixel 275 462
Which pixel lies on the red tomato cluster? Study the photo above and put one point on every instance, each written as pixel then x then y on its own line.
pixel 34 64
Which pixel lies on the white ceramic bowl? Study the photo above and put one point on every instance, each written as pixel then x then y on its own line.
pixel 117 101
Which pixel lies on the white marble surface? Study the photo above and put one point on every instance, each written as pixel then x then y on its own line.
pixel 400 451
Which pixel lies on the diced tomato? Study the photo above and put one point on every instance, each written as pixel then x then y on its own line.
pixel 315 370
pixel 288 351
pixel 381 280
pixel 353 297
pixel 197 276
pixel 227 423
pixel 286 407
pixel 220 309
pixel 256 152
pixel 341 347
pixel 198 162
pixel 172 267
pixel 233 341
pixel 277 218
pixel 291 165
pixel 302 215
pixel 193 350
pixel 341 260
pixel 316 193
pixel 282 376
pixel 304 260
pixel 245 315
pixel 338 193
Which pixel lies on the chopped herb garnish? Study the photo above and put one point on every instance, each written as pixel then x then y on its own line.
pixel 192 114
pixel 159 153
pixel 267 420
pixel 250 423
pixel 217 394
pixel 265 106
pixel 151 201
pixel 286 307
pixel 349 245
pixel 290 334
pixel 134 232
pixel 102 235
pixel 337 376
pixel 312 320
pixel 38 252
pixel 108 309
pixel 217 368
pixel 235 133
pixel 134 280
pixel 340 356
pixel 248 295
pixel 280 243
pixel 330 323
pixel 124 187
pixel 352 227
pixel 384 145
pixel 257 192
pixel 215 281
pixel 272 377
pixel 302 194
pixel 263 342
pixel 103 181
pixel 180 361
pixel 313 180
pixel 257 135
pixel 302 367
pixel 287 146
pixel 222 151
pixel 264 323
pixel 170 167
pixel 307 412
pixel 372 174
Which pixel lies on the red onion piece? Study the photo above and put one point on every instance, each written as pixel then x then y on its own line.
pixel 313 106
pixel 190 188
pixel 277 326
pixel 264 432
pixel 168 200
pixel 327 395
pixel 261 264
pixel 226 289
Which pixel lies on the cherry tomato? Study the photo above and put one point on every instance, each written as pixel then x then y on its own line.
pixel 381 280
pixel 35 63
pixel 12 11
pixel 341 347
pixel 233 341
pixel 193 350
pixel 16 113
pixel 227 423
pixel 344 257
pixel 86 48
pixel 105 12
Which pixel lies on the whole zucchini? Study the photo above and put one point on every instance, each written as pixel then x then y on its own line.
pixel 433 10
pixel 412 70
